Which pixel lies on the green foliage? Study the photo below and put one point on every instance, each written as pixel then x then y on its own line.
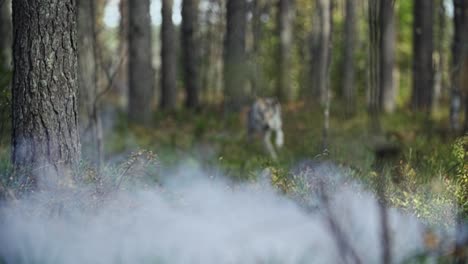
pixel 460 160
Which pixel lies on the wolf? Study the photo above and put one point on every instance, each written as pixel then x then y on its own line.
pixel 264 117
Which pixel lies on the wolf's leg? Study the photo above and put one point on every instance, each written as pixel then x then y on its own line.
pixel 268 145
pixel 279 140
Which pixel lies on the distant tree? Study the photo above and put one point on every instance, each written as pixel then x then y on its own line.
pixel 140 69
pixel 458 55
pixel 45 141
pixel 6 40
pixel 234 54
pixel 387 86
pixel 168 58
pixel 256 77
pixel 321 51
pixel 326 8
pixel 440 53
pixel 191 52
pixel 285 49
pixel 90 122
pixel 349 88
pixel 211 35
pixel 373 93
pixel 423 81
pixel 122 75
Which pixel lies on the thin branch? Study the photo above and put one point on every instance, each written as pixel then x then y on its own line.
pixel 344 247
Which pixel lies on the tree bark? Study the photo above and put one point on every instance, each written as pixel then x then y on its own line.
pixel 90 122
pixel 423 71
pixel 234 55
pixel 191 52
pixel 349 89
pixel 6 40
pixel 140 68
pixel 285 33
pixel 45 142
pixel 387 56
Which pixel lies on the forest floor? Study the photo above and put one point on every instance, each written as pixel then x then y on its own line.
pixel 425 175
pixel 426 158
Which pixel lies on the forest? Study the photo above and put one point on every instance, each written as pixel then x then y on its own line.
pixel 234 131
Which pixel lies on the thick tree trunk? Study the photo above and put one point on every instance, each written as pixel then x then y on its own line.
pixel 234 55
pixel 387 56
pixel 6 39
pixel 90 122
pixel 285 33
pixel 168 58
pixel 349 88
pixel 45 139
pixel 140 68
pixel 423 82
pixel 191 52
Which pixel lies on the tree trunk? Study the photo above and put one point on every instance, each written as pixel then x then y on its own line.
pixel 6 34
pixel 90 122
pixel 190 49
pixel 322 52
pixel 439 61
pixel 373 92
pixel 285 32
pixel 122 75
pixel 349 89
pixel 45 143
pixel 387 56
pixel 458 54
pixel 256 77
pixel 423 81
pixel 234 55
pixel 168 58
pixel 140 68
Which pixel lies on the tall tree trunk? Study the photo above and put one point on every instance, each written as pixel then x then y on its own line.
pixel 234 55
pixel 45 121
pixel 458 54
pixel 322 52
pixel 439 62
pixel 423 82
pixel 326 77
pixel 140 68
pixel 349 88
pixel 122 74
pixel 168 57
pixel 285 32
pixel 191 51
pixel 256 77
pixel 6 39
pixel 373 92
pixel 387 56
pixel 90 122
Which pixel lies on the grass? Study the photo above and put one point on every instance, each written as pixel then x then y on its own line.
pixel 428 158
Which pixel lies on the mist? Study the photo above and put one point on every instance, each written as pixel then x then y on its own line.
pixel 193 218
